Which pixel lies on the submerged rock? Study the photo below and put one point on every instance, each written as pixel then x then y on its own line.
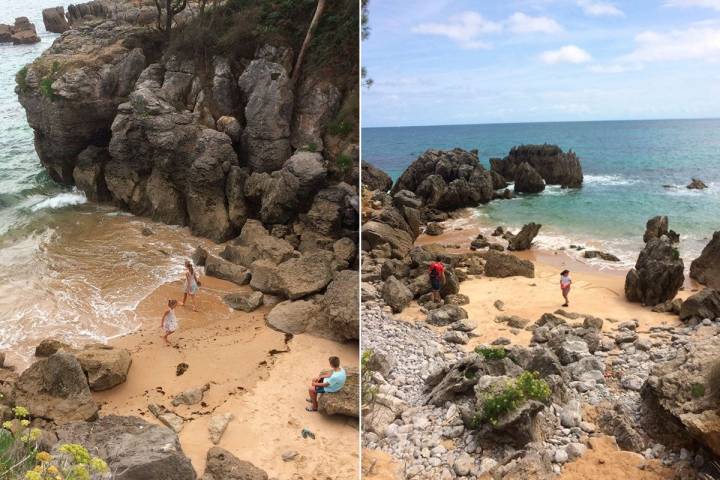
pixel 528 180
pixel 696 184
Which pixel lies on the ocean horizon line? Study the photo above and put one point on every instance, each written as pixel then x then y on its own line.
pixel 545 122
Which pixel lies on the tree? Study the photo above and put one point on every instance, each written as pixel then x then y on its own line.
pixel 172 8
pixel 364 20
pixel 308 38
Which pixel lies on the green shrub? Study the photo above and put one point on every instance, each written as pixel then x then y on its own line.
pixel 697 390
pixel 311 147
pixel 527 386
pixel 491 353
pixel 340 128
pixel 368 390
pixel 46 88
pixel 344 162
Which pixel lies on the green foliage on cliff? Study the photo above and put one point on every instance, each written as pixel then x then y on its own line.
pixel 492 353
pixel 46 88
pixel 21 79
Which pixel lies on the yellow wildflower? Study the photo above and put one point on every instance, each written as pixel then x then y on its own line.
pixel 21 412
pixel 43 457
pixel 25 422
pixel 98 465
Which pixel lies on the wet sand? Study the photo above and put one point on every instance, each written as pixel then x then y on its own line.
pixel 252 372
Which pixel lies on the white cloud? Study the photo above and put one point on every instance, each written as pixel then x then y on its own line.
pixel 690 44
pixel 613 68
pixel 522 23
pixel 464 28
pixel 566 54
pixel 714 4
pixel 600 9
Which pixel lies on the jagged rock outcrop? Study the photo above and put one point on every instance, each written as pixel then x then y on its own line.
pixel 132 447
pixel 680 396
pixel 523 240
pixel 386 224
pixel 72 91
pixel 656 227
pixel 316 104
pixel 54 20
pixel 696 184
pixel 549 161
pixel 21 33
pixel 447 180
pixel 265 84
pixel 706 268
pixel 701 305
pixel 396 294
pixel 658 273
pixel 223 465
pixel 345 402
pixel 375 179
pixel 340 318
pixel 55 388
pixel 138 12
pixel 528 180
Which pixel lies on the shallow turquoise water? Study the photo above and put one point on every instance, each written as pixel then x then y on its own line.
pixel 627 165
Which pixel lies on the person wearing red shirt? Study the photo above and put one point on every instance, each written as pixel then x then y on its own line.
pixel 437 279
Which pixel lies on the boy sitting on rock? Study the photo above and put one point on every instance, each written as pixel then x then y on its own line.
pixel 330 381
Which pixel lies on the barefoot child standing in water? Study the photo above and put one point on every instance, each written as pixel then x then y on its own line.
pixel 191 285
pixel 168 322
pixel 565 283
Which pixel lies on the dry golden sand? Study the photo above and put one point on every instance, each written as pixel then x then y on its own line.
pixel 235 353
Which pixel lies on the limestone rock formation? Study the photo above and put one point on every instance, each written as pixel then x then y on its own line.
pixel 701 305
pixel 23 32
pixel 656 227
pixel 706 268
pixel 658 273
pixel 54 20
pixel 316 104
pixel 345 402
pixel 528 180
pixel 523 240
pixel 340 318
pixel 396 294
pixel 55 388
pixel 265 84
pixel 696 184
pixel 447 180
pixel 549 161
pixel 293 316
pixel 132 447
pixel 244 302
pixel 375 179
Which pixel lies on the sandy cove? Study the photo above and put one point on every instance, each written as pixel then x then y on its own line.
pixel 596 292
pixel 253 374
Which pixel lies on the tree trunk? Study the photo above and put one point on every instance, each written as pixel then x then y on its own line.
pixel 308 38
pixel 168 19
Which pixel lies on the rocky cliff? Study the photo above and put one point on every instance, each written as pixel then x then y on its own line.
pixel 553 165
pixel 204 142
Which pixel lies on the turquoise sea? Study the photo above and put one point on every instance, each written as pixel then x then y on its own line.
pixel 633 170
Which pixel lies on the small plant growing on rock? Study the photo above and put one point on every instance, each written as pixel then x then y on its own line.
pixel 46 88
pixel 368 389
pixel 21 79
pixel 527 386
pixel 491 353
pixel 340 128
pixel 697 390
pixel 344 162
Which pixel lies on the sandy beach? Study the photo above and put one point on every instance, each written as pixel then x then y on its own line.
pixel 253 373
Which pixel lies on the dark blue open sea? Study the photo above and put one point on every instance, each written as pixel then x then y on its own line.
pixel 633 171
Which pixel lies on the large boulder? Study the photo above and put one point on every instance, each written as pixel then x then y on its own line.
pixel 307 274
pixel 89 173
pixel 375 179
pixel 224 270
pixel 284 192
pixel 376 234
pixel 266 87
pixel 345 402
pixel 133 448
pixel 658 273
pixel 396 294
pixel 5 33
pixel 503 265
pixel 523 240
pixel 54 20
pixel 701 305
pixel 528 180
pixel 447 180
pixel 340 316
pixel 105 366
pixel 706 268
pixel 245 302
pixel 55 388
pixel 256 243
pixel 551 163
pixel 223 465
pixel 293 316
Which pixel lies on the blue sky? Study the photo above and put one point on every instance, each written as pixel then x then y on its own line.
pixel 462 62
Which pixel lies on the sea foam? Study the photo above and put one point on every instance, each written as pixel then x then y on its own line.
pixel 61 200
